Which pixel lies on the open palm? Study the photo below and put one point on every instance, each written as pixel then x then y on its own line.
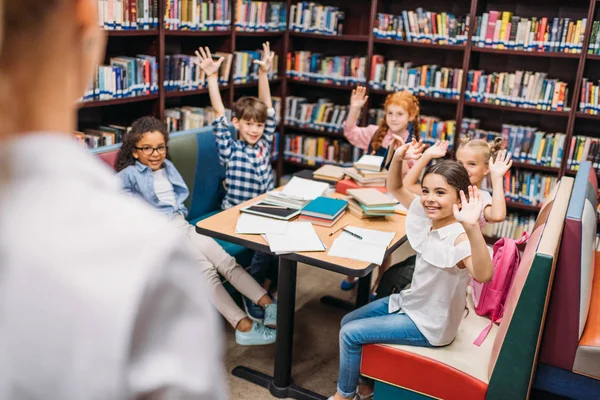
pixel 408 151
pixel 358 98
pixel 501 165
pixel 438 150
pixel 208 65
pixel 470 210
pixel 267 58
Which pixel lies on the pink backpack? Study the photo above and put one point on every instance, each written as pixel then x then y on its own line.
pixel 489 298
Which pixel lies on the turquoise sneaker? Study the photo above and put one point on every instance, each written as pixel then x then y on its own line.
pixel 258 335
pixel 271 316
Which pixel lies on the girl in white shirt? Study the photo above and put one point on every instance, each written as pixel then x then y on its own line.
pixel 480 159
pixel 442 226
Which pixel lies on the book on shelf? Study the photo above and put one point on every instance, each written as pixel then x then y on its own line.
pixel 423 80
pixel 503 30
pixel 121 15
pixel 310 17
pixel 124 77
pixel 526 187
pixel 526 144
pixel 584 148
pixel 260 16
pixel 245 70
pixel 183 74
pixel 317 67
pixel 512 227
pixel 422 26
pixel 321 150
pixel 523 89
pixel 188 117
pixel 589 101
pixel 594 44
pixel 100 136
pixel 323 115
pixel 197 15
pixel 431 129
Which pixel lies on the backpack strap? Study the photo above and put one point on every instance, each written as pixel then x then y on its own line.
pixel 483 334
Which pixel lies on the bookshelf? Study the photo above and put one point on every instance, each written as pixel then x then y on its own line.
pixel 357 38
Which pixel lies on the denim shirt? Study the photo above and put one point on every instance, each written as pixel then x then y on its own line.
pixel 138 180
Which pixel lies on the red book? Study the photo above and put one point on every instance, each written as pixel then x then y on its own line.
pixel 345 184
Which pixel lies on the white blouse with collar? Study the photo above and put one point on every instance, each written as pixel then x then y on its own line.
pixel 437 297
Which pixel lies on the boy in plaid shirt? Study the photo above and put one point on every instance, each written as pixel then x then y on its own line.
pixel 247 159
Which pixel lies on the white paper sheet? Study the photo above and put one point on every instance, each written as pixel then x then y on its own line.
pixel 300 236
pixel 371 248
pixel 304 189
pixel 249 224
pixel 370 235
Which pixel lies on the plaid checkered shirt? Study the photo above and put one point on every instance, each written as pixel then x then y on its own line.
pixel 248 171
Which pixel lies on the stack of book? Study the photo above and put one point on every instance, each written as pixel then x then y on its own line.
pixel 124 77
pixel 323 115
pixel 523 89
pixel 245 70
pixel 324 211
pixel 316 18
pixel 127 15
pixel 182 73
pixel 371 203
pixel 197 15
pixel 330 173
pixel 422 26
pixel 316 67
pixel 503 30
pixel 297 193
pixel 260 16
pixel 320 150
pixel 424 80
pixel 101 136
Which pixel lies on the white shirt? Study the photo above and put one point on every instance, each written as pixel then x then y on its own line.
pixel 99 297
pixel 163 188
pixel 437 296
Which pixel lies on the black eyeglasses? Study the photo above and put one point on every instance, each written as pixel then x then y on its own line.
pixel 147 150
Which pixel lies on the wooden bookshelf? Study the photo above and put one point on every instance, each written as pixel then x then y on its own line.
pixel 357 38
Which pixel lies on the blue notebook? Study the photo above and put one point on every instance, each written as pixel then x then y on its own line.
pixel 325 207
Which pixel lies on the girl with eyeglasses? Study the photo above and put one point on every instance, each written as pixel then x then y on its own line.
pixel 145 172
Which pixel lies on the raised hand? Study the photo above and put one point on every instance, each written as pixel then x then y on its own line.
pixel 502 164
pixel 208 65
pixel 470 211
pixel 267 58
pixel 358 98
pixel 408 151
pixel 438 150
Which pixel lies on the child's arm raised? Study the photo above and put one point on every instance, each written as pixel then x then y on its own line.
pixel 497 211
pixel 264 91
pixel 211 68
pixel 411 180
pixel 479 263
pixel 409 151
pixel 357 136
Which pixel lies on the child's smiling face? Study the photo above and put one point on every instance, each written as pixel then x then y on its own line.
pixel 151 150
pixel 438 197
pixel 250 130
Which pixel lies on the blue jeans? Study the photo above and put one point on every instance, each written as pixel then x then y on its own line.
pixel 371 324
pixel 264 266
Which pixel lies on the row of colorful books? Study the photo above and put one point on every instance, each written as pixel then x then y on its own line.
pixel 197 15
pixel 589 101
pixel 188 117
pixel 260 16
pixel 128 14
pixel 246 70
pixel 323 115
pixel 431 129
pixel 584 148
pixel 425 80
pixel 103 135
pixel 310 17
pixel 124 77
pixel 524 89
pixel 526 187
pixel 343 70
pixel 183 73
pixel 422 26
pixel 503 30
pixel 321 150
pixel 512 227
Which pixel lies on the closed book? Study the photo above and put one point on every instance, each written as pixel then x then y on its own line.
pixel 353 173
pixel 371 197
pixel 370 163
pixel 345 184
pixel 325 207
pixel 330 173
pixel 321 221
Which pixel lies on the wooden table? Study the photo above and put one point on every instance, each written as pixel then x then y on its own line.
pixel 222 226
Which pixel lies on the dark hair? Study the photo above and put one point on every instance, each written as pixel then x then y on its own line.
pixel 455 174
pixel 138 129
pixel 250 108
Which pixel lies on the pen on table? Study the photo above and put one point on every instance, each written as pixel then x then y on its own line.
pixel 338 229
pixel 352 233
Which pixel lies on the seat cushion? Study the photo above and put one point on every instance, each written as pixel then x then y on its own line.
pixel 459 370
